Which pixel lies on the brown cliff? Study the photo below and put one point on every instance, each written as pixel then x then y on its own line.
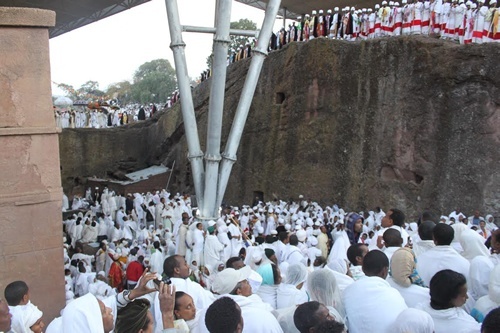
pixel 407 122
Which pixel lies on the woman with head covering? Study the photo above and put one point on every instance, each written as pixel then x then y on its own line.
pixel 479 276
pixel 339 267
pixel 448 290
pixel 490 223
pixel 490 301
pixel 89 314
pixel 405 279
pixel 458 228
pixel 271 278
pixel 473 245
pixel 291 292
pixel 26 319
pixel 322 287
pixel 413 321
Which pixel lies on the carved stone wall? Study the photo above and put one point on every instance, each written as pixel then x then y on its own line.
pixel 408 122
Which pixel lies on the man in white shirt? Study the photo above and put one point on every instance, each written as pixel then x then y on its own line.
pixel 363 298
pixel 426 242
pixel 443 256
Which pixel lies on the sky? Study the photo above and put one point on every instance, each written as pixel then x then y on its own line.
pixel 110 50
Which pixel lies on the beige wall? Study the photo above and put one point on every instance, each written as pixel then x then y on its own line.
pixel 30 184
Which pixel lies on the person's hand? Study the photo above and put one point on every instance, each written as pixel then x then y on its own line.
pixel 142 288
pixel 166 296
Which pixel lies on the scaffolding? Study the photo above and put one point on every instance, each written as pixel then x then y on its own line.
pixel 211 170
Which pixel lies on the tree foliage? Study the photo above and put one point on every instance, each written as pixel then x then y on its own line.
pixel 154 81
pixel 237 41
pixel 88 91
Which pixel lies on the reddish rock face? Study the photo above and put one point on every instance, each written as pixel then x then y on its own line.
pixel 30 185
pixel 407 122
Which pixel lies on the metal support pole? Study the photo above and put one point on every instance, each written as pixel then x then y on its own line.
pixel 284 18
pixel 210 30
pixel 215 107
pixel 177 45
pixel 258 56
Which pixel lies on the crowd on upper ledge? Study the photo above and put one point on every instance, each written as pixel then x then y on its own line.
pixel 465 22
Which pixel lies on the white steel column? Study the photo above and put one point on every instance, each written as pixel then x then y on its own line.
pixel 215 108
pixel 258 56
pixel 177 45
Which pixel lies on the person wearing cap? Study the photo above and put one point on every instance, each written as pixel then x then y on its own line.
pixel 255 313
pixel 426 17
pixel 236 237
pixel 371 23
pixel 212 248
pixel 477 33
pixel 416 23
pixel 335 23
pixel 378 22
pixel 397 17
pixel 470 17
pixel 407 18
pixel 384 14
pixel 294 254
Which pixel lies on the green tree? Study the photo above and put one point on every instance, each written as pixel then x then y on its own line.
pixel 154 81
pixel 88 91
pixel 122 91
pixel 237 41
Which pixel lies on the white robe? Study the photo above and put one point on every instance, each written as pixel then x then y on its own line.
pixel 212 252
pixel 288 295
pixel 439 258
pixel 256 317
pixel 362 302
pixel 413 295
pixel 451 320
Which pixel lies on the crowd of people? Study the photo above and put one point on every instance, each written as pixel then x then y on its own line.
pixel 146 263
pixel 103 116
pixel 459 20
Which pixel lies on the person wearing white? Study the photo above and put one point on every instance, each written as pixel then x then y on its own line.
pixel 363 298
pixel 25 317
pixel 213 248
pixel 473 245
pixel 291 292
pixel 339 268
pixel 443 256
pixel 490 301
pixel 322 287
pixel 426 242
pixel 405 279
pixel 294 255
pixel 256 315
pixel 448 290
pixel 413 320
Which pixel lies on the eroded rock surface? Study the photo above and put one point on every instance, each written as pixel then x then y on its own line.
pixel 407 122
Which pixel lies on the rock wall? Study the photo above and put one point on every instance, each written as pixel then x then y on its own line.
pixel 407 122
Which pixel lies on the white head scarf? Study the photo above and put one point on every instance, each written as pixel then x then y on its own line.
pixel 473 244
pixel 414 321
pixel 83 315
pixel 296 274
pixel 24 316
pixel 322 287
pixel 494 285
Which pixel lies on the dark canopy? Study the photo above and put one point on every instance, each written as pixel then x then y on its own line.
pixel 73 14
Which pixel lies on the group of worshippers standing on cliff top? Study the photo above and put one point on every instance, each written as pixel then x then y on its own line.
pixel 86 118
pixel 458 20
pixel 270 267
